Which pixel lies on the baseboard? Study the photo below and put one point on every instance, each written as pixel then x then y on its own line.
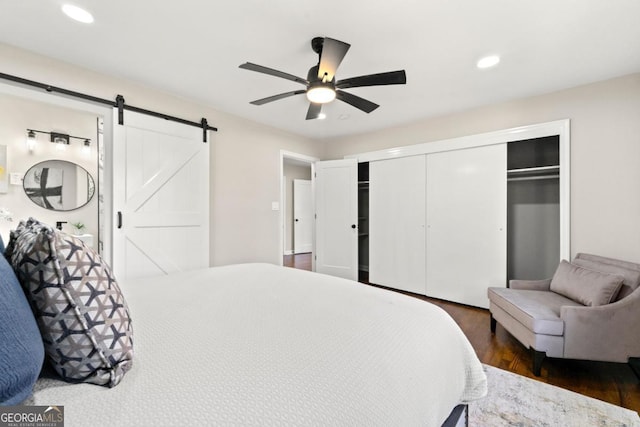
pixel 634 362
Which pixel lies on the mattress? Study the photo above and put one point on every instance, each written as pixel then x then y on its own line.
pixel 258 344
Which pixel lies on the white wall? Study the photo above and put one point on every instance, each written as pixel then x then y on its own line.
pixel 18 115
pixel 245 156
pixel 605 154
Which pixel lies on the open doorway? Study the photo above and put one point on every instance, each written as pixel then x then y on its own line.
pixel 77 162
pixel 297 211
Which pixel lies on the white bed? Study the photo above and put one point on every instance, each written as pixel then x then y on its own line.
pixel 257 344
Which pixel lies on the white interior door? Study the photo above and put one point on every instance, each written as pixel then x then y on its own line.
pixel 396 223
pixel 336 197
pixel 161 197
pixel 466 223
pixel 302 216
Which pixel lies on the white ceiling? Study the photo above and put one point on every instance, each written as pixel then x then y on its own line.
pixel 192 48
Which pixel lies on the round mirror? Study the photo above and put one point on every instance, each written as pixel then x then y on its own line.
pixel 58 185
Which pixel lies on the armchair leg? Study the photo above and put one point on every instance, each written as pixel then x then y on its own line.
pixel 493 324
pixel 634 362
pixel 538 357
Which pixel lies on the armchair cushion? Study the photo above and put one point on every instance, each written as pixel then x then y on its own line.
pixel 588 287
pixel 538 311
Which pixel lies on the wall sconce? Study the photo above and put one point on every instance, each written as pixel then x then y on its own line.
pixel 86 147
pixel 31 140
pixel 60 139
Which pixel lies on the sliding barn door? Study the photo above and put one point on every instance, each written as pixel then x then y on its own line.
pixel 336 196
pixel 161 197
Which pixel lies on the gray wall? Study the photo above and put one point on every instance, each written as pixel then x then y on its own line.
pixel 605 150
pixel 245 156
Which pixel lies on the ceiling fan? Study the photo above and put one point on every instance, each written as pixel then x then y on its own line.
pixel 321 84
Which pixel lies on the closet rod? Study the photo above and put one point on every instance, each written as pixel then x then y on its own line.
pixel 533 178
pixel 534 169
pixel 202 124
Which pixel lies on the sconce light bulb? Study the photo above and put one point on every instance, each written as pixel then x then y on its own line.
pixel 31 140
pixel 86 147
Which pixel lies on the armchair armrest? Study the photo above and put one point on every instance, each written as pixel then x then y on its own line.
pixel 531 285
pixel 606 332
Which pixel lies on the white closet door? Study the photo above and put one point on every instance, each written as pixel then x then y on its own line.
pixel 336 196
pixel 396 223
pixel 466 223
pixel 161 197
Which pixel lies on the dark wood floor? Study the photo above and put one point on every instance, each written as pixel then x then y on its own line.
pixel 300 261
pixel 612 382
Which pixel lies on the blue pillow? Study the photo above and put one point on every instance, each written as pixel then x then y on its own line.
pixel 21 347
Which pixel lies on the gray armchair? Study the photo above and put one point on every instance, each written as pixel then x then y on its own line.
pixel 590 310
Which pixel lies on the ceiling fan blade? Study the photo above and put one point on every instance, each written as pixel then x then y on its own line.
pixel 314 110
pixel 276 97
pixel 389 78
pixel 266 70
pixel 333 51
pixel 356 101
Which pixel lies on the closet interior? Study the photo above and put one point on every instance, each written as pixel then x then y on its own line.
pixel 533 208
pixel 363 222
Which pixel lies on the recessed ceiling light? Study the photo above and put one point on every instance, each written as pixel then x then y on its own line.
pixel 78 14
pixel 488 61
pixel 322 116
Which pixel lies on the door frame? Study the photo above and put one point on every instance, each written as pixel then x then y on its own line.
pixel 290 155
pixel 105 111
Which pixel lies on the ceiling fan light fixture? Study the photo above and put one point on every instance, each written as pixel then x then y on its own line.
pixel 321 93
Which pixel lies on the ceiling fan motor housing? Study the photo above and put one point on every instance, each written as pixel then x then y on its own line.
pixel 316 44
pixel 312 76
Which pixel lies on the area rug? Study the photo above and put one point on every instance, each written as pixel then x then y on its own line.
pixel 514 400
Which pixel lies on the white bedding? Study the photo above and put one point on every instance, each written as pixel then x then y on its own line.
pixel 256 344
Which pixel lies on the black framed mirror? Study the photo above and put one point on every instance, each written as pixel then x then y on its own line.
pixel 59 185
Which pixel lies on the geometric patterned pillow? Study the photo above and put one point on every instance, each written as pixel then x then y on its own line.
pixel 83 317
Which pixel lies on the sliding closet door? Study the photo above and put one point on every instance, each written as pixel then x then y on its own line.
pixel 396 223
pixel 161 197
pixel 466 223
